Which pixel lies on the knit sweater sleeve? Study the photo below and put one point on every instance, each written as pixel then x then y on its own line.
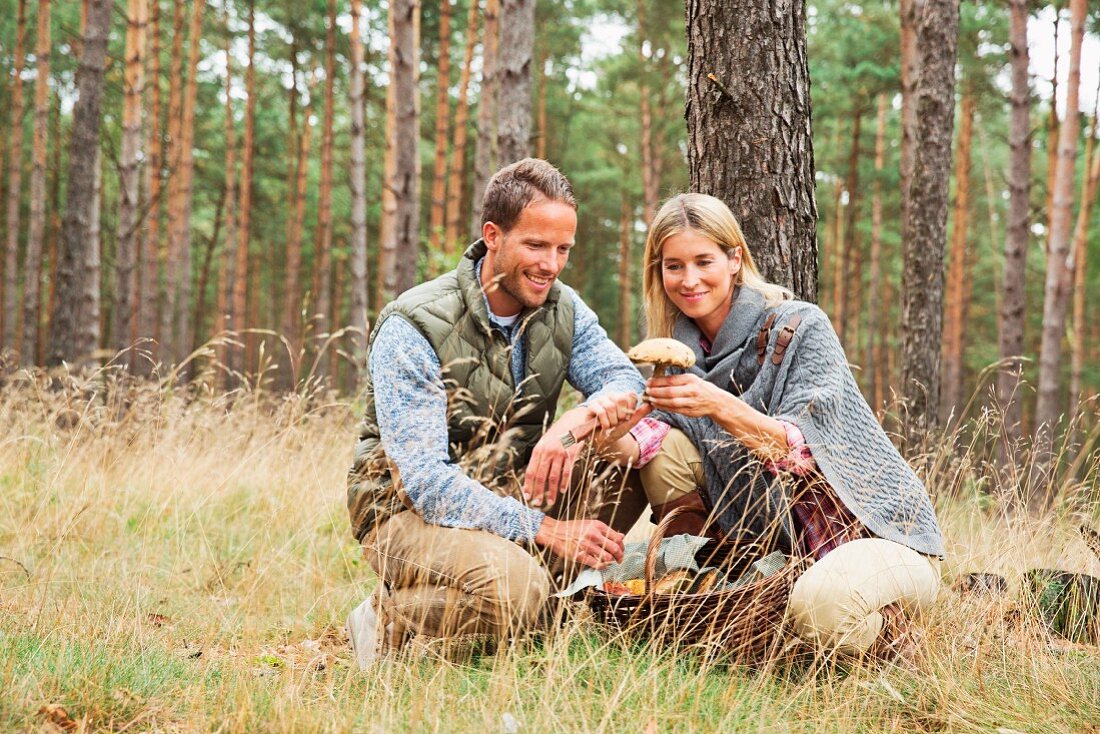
pixel 412 420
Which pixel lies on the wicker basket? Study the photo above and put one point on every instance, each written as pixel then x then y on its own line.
pixel 741 624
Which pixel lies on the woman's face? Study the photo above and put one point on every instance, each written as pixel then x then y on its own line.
pixel 698 276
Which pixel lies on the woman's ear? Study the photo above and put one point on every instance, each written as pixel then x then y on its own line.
pixel 735 261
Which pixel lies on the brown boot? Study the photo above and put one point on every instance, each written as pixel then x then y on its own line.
pixel 693 519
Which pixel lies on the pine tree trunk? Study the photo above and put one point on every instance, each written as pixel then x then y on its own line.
pixel 126 255
pixel 957 282
pixel 873 356
pixel 486 154
pixel 90 326
pixel 174 157
pixel 437 215
pixel 925 230
pixel 1059 278
pixel 68 341
pixel 10 323
pixel 749 134
pixel 848 255
pixel 1014 274
pixel 400 200
pixel 182 246
pixel 36 229
pixel 292 302
pixel 238 316
pixel 227 271
pixel 55 221
pixel 1053 127
pixel 461 131
pixel 322 275
pixel 293 144
pixel 517 43
pixel 358 185
pixel 651 175
pixel 626 222
pixel 1080 268
pixel 543 134
pixel 910 73
pixel 147 288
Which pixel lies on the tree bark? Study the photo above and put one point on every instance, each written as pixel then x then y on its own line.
pixel 873 356
pixel 486 155
pixel 322 273
pixel 910 73
pixel 1080 266
pixel 400 197
pixel 10 323
pixel 170 256
pixel 227 272
pixel 436 222
pixel 517 43
pixel 292 302
pixel 749 140
pixel 147 288
pixel 958 270
pixel 68 341
pixel 238 316
pixel 1059 278
pixel 182 235
pixel 461 131
pixel 1014 274
pixel 626 222
pixel 926 219
pixel 126 255
pixel 848 255
pixel 357 181
pixel 32 266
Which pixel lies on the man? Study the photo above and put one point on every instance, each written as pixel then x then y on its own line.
pixel 464 374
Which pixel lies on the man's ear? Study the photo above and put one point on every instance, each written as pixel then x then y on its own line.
pixel 492 234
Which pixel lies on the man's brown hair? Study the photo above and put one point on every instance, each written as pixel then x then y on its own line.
pixel 515 187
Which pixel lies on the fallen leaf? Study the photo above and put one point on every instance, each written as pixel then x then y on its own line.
pixel 651 727
pixel 157 620
pixel 55 714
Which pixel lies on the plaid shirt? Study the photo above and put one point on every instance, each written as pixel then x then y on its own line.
pixel 821 520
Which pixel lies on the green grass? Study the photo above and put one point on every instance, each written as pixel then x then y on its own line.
pixel 182 563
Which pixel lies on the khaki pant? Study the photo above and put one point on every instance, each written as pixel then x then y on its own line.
pixel 443 582
pixel 835 604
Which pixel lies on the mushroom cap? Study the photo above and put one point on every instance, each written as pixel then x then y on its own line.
pixel 662 351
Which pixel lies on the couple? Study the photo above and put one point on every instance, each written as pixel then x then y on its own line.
pixel 471 508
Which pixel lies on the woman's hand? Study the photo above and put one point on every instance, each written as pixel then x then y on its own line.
pixel 686 394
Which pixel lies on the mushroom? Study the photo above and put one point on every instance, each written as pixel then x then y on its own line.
pixel 661 353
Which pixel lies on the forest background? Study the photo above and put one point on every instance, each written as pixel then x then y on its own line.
pixel 211 216
pixel 190 265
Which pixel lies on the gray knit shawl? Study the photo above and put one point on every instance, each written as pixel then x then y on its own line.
pixel 814 389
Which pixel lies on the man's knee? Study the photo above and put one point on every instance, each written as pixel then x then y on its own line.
pixel 836 602
pixel 674 472
pixel 514 584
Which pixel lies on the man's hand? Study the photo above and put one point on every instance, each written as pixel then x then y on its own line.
pixel 589 542
pixel 551 464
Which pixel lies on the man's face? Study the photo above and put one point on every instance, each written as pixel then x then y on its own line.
pixel 522 264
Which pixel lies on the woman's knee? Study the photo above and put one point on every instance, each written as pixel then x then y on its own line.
pixel 836 602
pixel 675 471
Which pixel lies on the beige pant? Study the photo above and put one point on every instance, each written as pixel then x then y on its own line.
pixel 836 603
pixel 443 582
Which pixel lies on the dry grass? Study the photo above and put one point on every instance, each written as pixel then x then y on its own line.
pixel 180 560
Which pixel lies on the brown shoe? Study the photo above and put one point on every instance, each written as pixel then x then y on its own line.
pixel 694 518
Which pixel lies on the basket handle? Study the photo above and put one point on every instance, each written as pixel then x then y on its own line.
pixel 655 544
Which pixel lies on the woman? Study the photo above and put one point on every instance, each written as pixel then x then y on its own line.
pixel 771 425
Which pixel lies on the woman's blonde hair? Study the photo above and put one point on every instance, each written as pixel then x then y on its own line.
pixel 711 218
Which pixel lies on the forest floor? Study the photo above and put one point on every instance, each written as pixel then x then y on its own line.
pixel 180 561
